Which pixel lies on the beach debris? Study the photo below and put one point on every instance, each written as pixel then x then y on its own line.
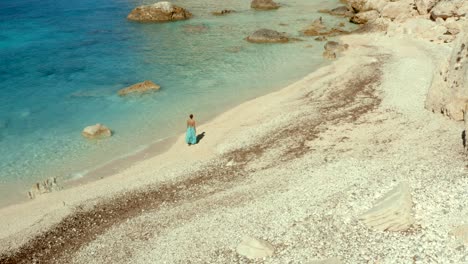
pixel 461 233
pixel 267 36
pixel 393 212
pixel 264 5
pixel 159 12
pixel 96 131
pixel 222 12
pixel 46 186
pixel 254 248
pixel 327 261
pixel 141 87
pixel 332 48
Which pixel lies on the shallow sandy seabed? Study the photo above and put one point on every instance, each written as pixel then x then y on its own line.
pixel 296 168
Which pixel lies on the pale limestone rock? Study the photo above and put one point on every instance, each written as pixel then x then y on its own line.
pixel 267 36
pixel 96 131
pixel 393 212
pixel 465 119
pixel 158 12
pixel 449 8
pixel 424 6
pixel 254 248
pixel 365 17
pixel 400 10
pixel 327 261
pixel 449 88
pixel 143 87
pixel 461 233
pixel 264 5
pixel 318 28
pixel 49 185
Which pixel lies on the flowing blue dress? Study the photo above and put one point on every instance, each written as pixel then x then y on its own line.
pixel 191 136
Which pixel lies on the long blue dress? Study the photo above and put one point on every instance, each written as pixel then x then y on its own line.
pixel 191 136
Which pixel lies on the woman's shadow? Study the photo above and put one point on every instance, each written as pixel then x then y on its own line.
pixel 200 137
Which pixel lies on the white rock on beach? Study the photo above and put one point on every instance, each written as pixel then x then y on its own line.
pixel 96 131
pixel 254 248
pixel 49 185
pixel 393 212
pixel 461 233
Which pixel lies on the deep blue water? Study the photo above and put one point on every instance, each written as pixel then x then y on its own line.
pixel 62 63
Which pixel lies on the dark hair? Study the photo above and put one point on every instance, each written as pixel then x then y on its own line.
pixel 191 116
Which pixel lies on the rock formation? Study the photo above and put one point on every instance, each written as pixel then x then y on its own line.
pixel 264 5
pixel 393 212
pixel 143 87
pixel 365 17
pixel 448 93
pixel 49 185
pixel 342 11
pixel 254 248
pixel 318 28
pixel 96 131
pixel 267 36
pixel 449 8
pixel 332 48
pixel 159 12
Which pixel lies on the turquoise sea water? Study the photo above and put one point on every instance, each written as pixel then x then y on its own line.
pixel 62 63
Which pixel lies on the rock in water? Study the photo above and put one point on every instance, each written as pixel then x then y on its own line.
pixel 317 28
pixel 223 12
pixel 254 248
pixel 267 36
pixel 142 87
pixel 393 212
pixel 365 17
pixel 49 185
pixel 332 48
pixel 159 12
pixel 461 233
pixel 264 4
pixel 96 131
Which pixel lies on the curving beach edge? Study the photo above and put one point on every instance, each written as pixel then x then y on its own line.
pixel 346 165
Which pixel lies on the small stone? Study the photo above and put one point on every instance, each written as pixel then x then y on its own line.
pixel 254 248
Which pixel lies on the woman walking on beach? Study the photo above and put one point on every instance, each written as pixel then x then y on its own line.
pixel 191 135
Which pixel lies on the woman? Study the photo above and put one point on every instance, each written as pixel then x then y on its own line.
pixel 191 135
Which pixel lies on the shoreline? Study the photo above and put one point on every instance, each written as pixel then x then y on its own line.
pixel 337 128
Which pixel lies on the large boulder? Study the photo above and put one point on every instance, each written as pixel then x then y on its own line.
pixel 365 17
pixel 267 36
pixel 342 11
pixel 449 8
pixel 399 10
pixel 159 12
pixel 143 87
pixel 96 131
pixel 49 185
pixel 264 5
pixel 449 89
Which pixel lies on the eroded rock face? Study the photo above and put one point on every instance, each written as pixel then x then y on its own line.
pixel 49 185
pixel 264 5
pixel 159 12
pixel 424 6
pixel 143 87
pixel 449 8
pixel 393 212
pixel 448 93
pixel 267 36
pixel 254 248
pixel 96 131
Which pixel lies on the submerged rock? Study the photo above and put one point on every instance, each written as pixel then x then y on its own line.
pixel 342 11
pixel 264 4
pixel 223 12
pixel 254 248
pixel 49 185
pixel 393 212
pixel 159 12
pixel 267 36
pixel 96 131
pixel 143 87
pixel 317 28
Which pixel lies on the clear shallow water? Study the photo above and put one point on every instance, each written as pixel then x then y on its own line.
pixel 62 63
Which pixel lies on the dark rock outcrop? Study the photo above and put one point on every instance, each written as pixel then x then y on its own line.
pixel 159 12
